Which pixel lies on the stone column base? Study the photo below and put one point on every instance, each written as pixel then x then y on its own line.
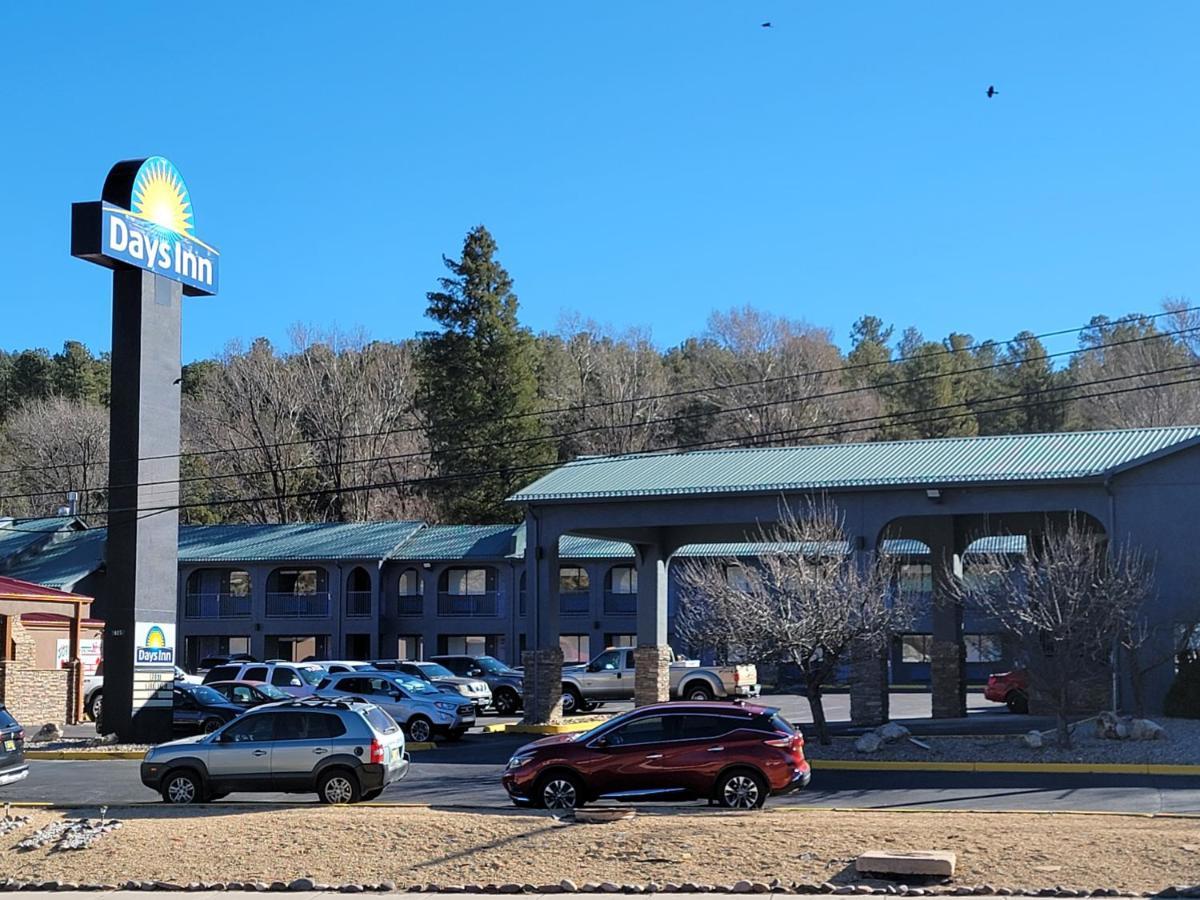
pixel 543 686
pixel 652 674
pixel 948 680
pixel 868 686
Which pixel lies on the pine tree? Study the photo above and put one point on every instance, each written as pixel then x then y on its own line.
pixel 478 388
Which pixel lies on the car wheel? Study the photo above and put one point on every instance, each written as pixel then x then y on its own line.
pixel 338 786
pixel 699 691
pixel 741 789
pixel 95 706
pixel 506 702
pixel 1017 703
pixel 420 729
pixel 559 791
pixel 572 700
pixel 183 786
pixel 210 725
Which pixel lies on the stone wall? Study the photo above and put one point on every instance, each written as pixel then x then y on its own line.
pixel 651 674
pixel 868 685
pixel 34 696
pixel 543 685
pixel 948 675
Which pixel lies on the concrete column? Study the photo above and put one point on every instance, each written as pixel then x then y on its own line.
pixel 948 668
pixel 543 662
pixel 259 623
pixel 868 672
pixel 652 658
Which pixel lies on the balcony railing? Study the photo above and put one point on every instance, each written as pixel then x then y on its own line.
pixel 574 603
pixel 620 604
pixel 297 606
pixel 467 605
pixel 358 604
pixel 410 606
pixel 216 606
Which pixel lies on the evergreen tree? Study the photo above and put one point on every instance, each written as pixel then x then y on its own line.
pixel 32 375
pixel 477 388
pixel 77 375
pixel 1027 373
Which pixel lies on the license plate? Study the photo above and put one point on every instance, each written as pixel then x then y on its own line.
pixel 10 745
pixel 395 754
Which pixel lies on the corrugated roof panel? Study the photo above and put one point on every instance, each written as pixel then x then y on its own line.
pixel 457 542
pixel 18 535
pixel 64 563
pixel 311 541
pixel 1001 458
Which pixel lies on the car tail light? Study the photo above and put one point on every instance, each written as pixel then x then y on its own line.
pixel 376 752
pixel 20 735
pixel 737 676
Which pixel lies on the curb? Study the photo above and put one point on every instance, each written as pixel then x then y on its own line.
pixel 1013 768
pixel 576 725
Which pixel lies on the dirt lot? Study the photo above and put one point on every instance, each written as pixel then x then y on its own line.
pixel 419 845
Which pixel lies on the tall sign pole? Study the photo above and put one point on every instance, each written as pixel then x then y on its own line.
pixel 142 229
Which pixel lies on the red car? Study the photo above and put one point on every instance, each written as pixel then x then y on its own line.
pixel 1009 688
pixel 735 754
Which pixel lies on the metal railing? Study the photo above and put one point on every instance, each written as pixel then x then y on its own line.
pixel 297 606
pixel 358 604
pixel 410 606
pixel 216 606
pixel 574 603
pixel 620 604
pixel 467 605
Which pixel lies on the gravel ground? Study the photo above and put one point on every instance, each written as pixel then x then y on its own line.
pixel 89 743
pixel 421 846
pixel 1181 747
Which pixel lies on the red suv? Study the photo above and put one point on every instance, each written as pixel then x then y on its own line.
pixel 1009 688
pixel 734 754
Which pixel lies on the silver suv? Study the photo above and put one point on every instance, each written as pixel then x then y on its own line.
pixel 421 708
pixel 344 750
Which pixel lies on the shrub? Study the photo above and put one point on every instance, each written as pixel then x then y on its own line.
pixel 1183 699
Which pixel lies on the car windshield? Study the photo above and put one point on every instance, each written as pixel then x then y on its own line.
pixel 492 666
pixel 273 692
pixel 208 695
pixel 434 670
pixel 415 685
pixel 312 674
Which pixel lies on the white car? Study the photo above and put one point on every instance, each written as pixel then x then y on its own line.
pixel 93 689
pixel 297 679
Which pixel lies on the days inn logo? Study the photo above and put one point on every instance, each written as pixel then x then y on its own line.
pixel 154 650
pixel 145 219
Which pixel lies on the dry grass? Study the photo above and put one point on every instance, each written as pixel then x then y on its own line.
pixel 419 845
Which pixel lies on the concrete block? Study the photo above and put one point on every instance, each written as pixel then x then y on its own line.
pixel 927 863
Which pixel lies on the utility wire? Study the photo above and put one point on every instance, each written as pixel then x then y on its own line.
pixel 685 392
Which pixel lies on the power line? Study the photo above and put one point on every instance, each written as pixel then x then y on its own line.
pixel 768 436
pixel 684 392
pixel 553 436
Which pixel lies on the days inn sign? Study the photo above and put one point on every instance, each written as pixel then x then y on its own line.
pixel 144 219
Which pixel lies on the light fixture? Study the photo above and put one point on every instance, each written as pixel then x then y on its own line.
pixel 934 494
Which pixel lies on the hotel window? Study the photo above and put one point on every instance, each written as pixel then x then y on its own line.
pixel 575 647
pixel 624 580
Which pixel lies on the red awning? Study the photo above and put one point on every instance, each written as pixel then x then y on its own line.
pixel 13 589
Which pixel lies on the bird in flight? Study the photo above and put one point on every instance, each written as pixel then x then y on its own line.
pixel 766 25
pixel 991 91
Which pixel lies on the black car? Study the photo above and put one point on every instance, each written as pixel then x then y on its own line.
pixel 199 708
pixel 12 749
pixel 249 693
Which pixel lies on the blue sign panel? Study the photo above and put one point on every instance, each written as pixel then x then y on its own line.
pixel 132 239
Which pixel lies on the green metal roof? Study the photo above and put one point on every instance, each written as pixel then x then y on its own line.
pixel 19 535
pixel 312 541
pixel 884 464
pixel 65 562
pixel 457 542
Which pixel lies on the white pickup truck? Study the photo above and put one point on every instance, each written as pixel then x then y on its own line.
pixel 610 677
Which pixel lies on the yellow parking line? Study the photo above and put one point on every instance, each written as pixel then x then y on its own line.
pixel 1046 768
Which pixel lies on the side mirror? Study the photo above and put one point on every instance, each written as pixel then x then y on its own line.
pixel 600 742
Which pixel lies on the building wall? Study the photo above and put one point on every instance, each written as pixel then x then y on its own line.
pixel 35 696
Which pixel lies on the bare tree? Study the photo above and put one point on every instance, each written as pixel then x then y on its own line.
pixel 1067 604
pixel 806 600
pixel 58 445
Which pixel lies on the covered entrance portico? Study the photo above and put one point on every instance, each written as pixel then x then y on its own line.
pixel 944 493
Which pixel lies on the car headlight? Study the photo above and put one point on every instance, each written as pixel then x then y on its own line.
pixel 446 707
pixel 464 689
pixel 517 761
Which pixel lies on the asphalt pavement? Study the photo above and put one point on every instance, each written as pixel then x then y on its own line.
pixel 467 773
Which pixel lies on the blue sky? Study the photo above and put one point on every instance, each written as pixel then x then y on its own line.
pixel 642 163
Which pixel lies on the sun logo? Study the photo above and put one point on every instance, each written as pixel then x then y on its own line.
pixel 155 639
pixel 160 196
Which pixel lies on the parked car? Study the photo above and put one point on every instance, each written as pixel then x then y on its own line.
pixel 249 693
pixel 345 665
pixel 93 689
pixel 473 689
pixel 507 684
pixel 1009 688
pixel 211 662
pixel 344 751
pixel 610 677
pixel 734 754
pixel 421 708
pixel 200 708
pixel 296 679
pixel 13 767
